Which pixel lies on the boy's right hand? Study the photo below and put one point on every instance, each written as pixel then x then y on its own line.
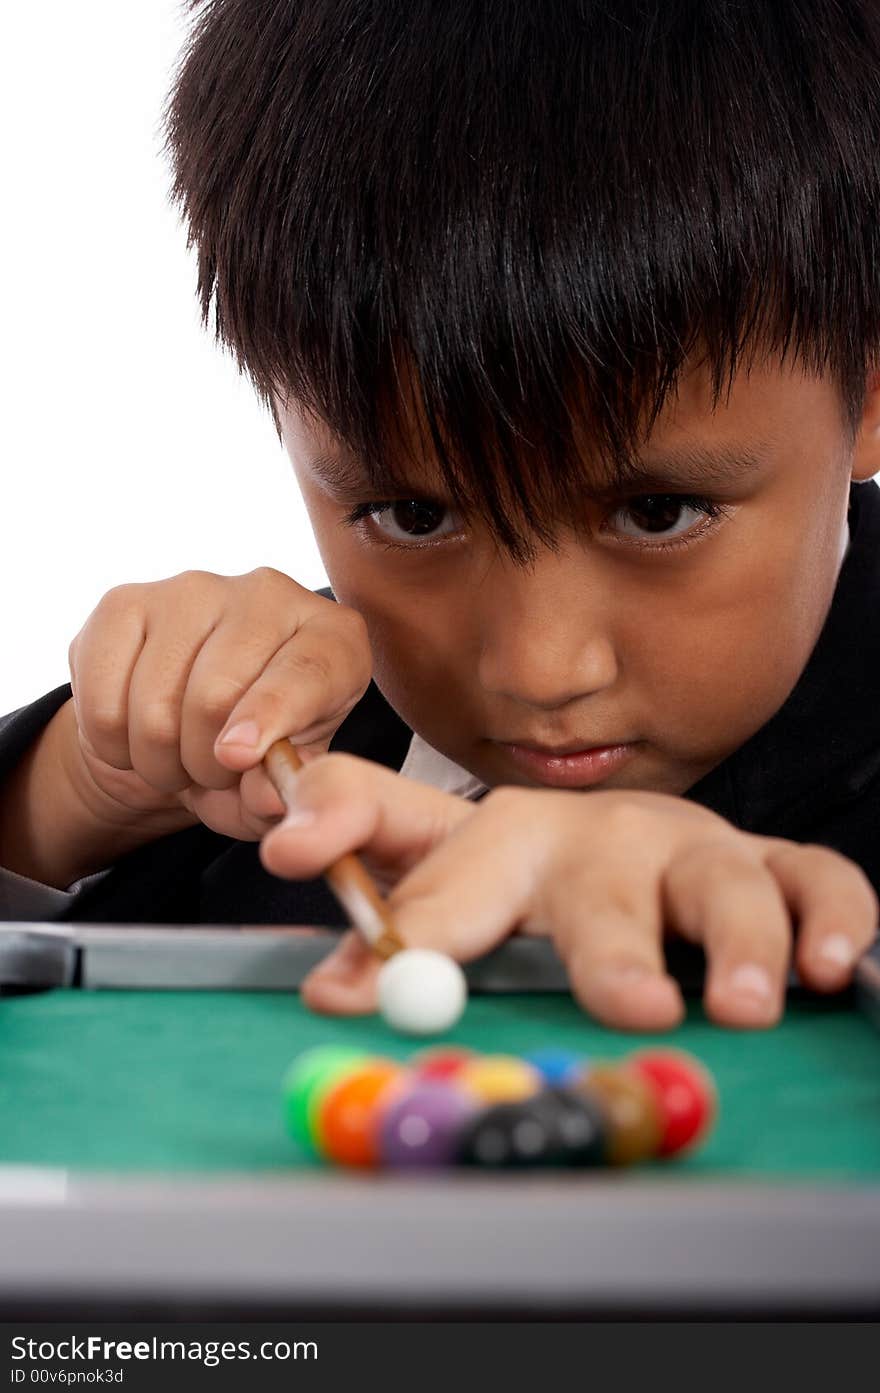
pixel 181 685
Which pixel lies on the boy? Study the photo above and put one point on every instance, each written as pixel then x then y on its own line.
pixel 569 319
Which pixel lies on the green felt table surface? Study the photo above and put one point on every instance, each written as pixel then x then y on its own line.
pixel 190 1081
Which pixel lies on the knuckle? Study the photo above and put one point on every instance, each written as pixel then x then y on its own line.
pixel 103 724
pixel 217 698
pixel 192 579
pixel 188 588
pixel 701 868
pixel 720 860
pixel 312 663
pixel 814 859
pixel 159 726
pixel 118 603
pixel 862 887
pixel 266 578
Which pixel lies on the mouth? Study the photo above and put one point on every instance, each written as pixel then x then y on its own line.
pixel 567 766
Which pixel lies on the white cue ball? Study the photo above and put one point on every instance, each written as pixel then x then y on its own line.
pixel 421 992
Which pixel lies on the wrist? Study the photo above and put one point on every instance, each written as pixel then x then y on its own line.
pixel 58 825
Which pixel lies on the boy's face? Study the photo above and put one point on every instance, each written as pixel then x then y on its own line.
pixel 654 627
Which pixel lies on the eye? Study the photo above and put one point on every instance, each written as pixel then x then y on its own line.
pixel 404 522
pixel 664 516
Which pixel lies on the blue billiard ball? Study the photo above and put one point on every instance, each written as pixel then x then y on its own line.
pixel 557 1067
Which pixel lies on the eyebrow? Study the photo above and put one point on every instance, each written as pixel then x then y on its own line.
pixel 694 466
pixel 688 467
pixel 347 478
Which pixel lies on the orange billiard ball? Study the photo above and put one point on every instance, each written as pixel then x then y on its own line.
pixel 349 1115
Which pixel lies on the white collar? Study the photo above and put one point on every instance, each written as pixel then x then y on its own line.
pixel 428 766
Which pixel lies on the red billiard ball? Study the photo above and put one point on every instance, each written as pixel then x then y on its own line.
pixel 685 1094
pixel 441 1062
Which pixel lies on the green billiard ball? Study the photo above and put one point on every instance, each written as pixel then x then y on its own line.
pixel 307 1080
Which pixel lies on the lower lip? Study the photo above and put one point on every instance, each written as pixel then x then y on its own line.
pixel 577 770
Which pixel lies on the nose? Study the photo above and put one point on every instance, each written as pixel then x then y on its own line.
pixel 545 633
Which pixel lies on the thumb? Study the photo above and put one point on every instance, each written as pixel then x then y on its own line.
pixel 345 803
pixel 343 983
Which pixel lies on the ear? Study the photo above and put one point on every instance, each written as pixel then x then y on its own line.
pixel 866 454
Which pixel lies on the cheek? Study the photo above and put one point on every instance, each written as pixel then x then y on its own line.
pixel 719 668
pixel 416 650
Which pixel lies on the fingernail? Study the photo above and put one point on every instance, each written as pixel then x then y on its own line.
pixel 837 950
pixel 245 733
pixel 750 979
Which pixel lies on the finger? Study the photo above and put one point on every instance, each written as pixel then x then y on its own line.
pixel 345 982
pixel 305 691
pixel 356 805
pixel 247 813
pixel 225 668
pixel 259 798
pixel 834 906
pixel 479 884
pixel 462 897
pixel 156 692
pixel 613 956
pixel 723 897
pixel 102 659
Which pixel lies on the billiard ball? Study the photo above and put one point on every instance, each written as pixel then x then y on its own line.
pixel 556 1127
pixel 634 1127
pixel 420 1127
pixel 499 1078
pixel 421 991
pixel 556 1066
pixel 441 1062
pixel 349 1115
pixel 685 1094
pixel 307 1080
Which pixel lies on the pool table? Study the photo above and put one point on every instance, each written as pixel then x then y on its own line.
pixel 145 1171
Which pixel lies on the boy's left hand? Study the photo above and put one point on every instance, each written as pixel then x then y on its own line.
pixel 604 874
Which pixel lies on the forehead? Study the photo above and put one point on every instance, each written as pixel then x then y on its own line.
pixel 695 437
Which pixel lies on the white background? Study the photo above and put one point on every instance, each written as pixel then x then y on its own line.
pixel 132 448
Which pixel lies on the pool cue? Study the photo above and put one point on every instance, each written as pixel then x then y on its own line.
pixel 348 878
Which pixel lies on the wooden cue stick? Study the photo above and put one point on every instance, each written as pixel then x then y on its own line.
pixel 348 878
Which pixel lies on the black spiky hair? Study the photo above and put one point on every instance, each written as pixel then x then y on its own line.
pixel 533 210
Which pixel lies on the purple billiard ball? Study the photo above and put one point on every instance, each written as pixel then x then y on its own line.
pixel 421 1126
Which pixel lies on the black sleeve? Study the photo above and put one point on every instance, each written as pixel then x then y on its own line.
pixel 22 899
pixel 157 883
pixel 854 830
pixel 20 728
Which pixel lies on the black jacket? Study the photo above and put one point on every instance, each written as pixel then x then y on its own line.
pixel 812 773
